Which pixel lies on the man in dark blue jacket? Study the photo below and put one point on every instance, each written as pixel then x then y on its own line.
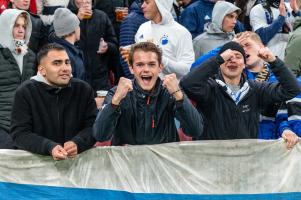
pixel 143 111
pixel 196 15
pixel 67 32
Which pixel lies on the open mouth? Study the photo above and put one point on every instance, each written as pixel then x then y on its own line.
pixel 146 79
pixel 232 67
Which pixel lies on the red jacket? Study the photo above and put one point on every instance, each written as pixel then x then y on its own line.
pixel 3 5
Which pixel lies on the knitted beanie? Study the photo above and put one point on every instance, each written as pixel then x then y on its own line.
pixel 65 22
pixel 233 46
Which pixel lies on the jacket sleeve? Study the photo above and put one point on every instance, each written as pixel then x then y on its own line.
pixel 190 119
pixel 84 139
pixel 21 128
pixel 110 37
pixel 287 87
pixel 292 55
pixel 261 27
pixel 184 57
pixel 189 20
pixel 196 85
pixel 293 122
pixel 204 57
pixel 267 33
pixel 106 120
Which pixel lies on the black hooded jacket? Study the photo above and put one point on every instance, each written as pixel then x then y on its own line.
pixel 92 30
pixel 225 118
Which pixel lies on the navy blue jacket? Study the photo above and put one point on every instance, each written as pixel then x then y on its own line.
pixel 196 15
pixel 128 29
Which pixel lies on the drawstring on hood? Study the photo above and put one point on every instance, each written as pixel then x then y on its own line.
pixel 165 7
pixel 16 46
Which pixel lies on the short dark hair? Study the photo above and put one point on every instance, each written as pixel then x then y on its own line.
pixel 46 48
pixel 146 47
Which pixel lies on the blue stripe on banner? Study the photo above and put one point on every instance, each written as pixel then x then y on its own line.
pixel 21 192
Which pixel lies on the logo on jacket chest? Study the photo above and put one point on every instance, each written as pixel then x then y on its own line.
pixel 245 108
pixel 164 40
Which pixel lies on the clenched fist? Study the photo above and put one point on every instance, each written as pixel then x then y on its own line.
pixel 124 86
pixel 171 83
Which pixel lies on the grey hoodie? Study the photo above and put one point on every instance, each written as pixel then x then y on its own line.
pixel 7 21
pixel 213 35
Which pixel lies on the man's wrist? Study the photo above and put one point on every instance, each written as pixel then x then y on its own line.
pixel 178 95
pixel 115 101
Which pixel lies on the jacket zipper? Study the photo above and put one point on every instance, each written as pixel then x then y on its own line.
pixel 153 119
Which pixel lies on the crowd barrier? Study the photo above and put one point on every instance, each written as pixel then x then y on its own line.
pixel 210 170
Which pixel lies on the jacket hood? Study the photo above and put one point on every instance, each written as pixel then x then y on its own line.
pixel 165 7
pixel 297 23
pixel 40 78
pixel 216 32
pixel 220 10
pixel 7 21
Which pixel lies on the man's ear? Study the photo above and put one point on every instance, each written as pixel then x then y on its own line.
pixel 131 69
pixel 161 67
pixel 42 70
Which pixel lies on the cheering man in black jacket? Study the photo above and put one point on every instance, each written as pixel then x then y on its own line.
pixel 231 104
pixel 53 113
pixel 144 111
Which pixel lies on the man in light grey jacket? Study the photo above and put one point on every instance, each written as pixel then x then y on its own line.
pixel 219 31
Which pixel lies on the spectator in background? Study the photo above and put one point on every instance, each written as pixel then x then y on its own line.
pixel 46 8
pixel 196 15
pixel 245 7
pixel 231 104
pixel 109 7
pixel 174 40
pixel 292 51
pixel 272 20
pixel 67 31
pixel 53 113
pixel 3 5
pixel 292 118
pixel 179 6
pixel 39 32
pixel 143 111
pixel 128 29
pixel 219 31
pixel 97 41
pixel 18 63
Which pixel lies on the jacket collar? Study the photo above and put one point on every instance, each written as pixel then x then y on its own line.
pixel 143 94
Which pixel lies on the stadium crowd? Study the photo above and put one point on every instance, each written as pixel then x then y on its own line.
pixel 74 73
